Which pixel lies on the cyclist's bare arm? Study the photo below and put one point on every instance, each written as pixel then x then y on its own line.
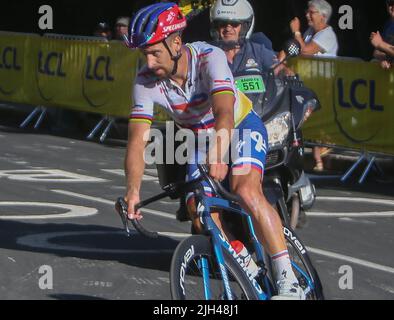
pixel 223 110
pixel 135 165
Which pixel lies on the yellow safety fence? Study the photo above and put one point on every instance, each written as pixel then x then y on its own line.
pixel 357 97
pixel 80 75
pixel 357 101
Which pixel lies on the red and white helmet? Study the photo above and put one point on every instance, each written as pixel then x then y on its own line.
pixel 154 24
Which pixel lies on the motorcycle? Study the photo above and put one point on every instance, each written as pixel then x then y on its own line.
pixel 283 106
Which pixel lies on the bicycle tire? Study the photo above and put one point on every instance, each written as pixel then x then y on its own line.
pixel 297 249
pixel 299 255
pixel 198 246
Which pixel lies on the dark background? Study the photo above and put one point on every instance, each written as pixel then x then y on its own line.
pixel 272 17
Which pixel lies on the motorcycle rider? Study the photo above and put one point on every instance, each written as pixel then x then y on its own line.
pixel 232 25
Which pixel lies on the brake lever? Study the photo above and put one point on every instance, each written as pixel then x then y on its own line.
pixel 121 209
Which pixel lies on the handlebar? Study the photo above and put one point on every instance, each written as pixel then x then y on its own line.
pixel 172 189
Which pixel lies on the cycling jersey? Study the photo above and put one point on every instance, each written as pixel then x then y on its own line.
pixel 191 107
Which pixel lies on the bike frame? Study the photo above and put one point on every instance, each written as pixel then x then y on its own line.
pixel 205 205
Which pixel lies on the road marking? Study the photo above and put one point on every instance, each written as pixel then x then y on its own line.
pixel 371 214
pixel 360 262
pixel 47 175
pixel 58 147
pixel 72 211
pixel 45 241
pixel 120 172
pixel 387 214
pixel 312 250
pixel 112 203
pixel 152 172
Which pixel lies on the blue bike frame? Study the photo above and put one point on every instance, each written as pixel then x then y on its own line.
pixel 204 206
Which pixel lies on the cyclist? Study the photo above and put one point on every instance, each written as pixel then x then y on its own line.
pixel 195 86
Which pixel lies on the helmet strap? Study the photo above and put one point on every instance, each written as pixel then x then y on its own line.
pixel 173 58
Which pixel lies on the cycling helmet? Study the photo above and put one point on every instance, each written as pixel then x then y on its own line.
pixel 235 11
pixel 154 23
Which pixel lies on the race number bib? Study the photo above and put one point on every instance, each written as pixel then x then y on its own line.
pixel 250 84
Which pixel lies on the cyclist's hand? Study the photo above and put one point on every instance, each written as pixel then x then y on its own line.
pixel 218 171
pixel 132 200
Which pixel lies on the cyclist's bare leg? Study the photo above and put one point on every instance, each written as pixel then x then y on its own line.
pixel 266 220
pixel 216 216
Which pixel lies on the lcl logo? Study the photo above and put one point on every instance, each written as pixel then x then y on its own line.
pixel 51 64
pixel 93 68
pixel 358 85
pixel 97 76
pixel 9 59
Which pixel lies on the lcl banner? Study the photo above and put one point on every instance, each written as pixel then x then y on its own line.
pixel 81 75
pixel 357 101
pixel 14 66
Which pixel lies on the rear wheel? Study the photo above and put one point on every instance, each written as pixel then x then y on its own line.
pixel 194 273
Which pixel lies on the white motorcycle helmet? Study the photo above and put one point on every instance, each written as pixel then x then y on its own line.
pixel 232 10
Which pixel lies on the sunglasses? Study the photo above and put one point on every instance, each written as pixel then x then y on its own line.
pixel 223 24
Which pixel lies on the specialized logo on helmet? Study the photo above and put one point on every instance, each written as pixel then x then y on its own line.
pixel 229 2
pixel 174 27
pixel 171 17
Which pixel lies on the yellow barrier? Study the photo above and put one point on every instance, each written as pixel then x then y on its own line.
pixel 15 67
pixel 357 97
pixel 80 75
pixel 357 101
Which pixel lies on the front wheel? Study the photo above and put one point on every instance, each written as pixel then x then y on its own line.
pixel 302 266
pixel 194 273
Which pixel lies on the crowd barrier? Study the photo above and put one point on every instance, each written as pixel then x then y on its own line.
pixel 357 97
pixel 357 101
pixel 83 75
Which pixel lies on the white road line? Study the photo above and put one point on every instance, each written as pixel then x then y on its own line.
pixel 120 172
pixel 47 175
pixel 72 211
pixel 386 214
pixel 360 262
pixel 373 214
pixel 112 203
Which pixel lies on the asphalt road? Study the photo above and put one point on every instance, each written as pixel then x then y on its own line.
pixel 57 219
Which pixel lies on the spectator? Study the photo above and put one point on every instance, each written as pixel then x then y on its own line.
pixel 384 44
pixel 103 30
pixel 320 40
pixel 121 27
